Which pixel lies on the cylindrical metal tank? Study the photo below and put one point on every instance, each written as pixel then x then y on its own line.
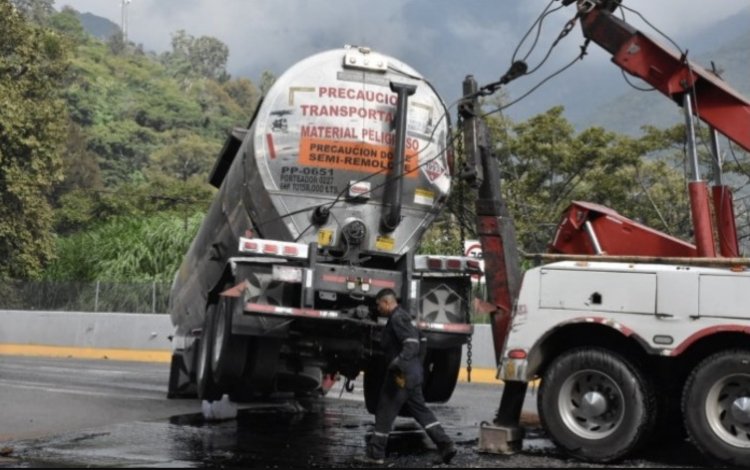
pixel 315 159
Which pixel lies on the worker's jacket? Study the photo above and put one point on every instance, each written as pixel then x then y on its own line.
pixel 401 345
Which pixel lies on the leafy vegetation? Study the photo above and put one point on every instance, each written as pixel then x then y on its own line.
pixel 33 60
pixel 100 139
pixel 105 151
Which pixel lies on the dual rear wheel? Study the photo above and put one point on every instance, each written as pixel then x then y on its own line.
pixel 599 406
pixel 221 357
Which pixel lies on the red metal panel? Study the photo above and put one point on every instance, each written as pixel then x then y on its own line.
pixel 496 275
pixel 725 221
pixel 699 208
pixel 616 234
pixel 715 102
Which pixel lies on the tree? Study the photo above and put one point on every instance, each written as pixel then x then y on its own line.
pixel 32 127
pixel 37 11
pixel 204 57
pixel 244 93
pixel 267 79
pixel 76 195
pixel 188 157
pixel 67 23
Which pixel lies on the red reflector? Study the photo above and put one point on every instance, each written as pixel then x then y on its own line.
pixel 434 263
pixel 517 354
pixel 473 264
pixel 290 250
pixel 273 249
pixel 252 246
pixel 454 264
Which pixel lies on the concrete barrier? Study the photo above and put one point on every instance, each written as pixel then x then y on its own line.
pixel 144 337
pixel 86 330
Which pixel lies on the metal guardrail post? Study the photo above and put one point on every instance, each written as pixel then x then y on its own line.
pixel 96 297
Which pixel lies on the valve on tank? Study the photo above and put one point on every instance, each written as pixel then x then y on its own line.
pixel 354 233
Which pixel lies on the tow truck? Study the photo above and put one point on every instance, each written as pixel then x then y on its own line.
pixel 629 331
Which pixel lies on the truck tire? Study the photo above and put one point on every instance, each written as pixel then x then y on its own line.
pixel 207 388
pixel 441 369
pixel 716 407
pixel 229 351
pixel 596 405
pixel 373 380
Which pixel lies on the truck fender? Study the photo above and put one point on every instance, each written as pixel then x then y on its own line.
pixel 706 332
pixel 535 356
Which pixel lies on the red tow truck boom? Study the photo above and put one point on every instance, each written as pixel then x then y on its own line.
pixel 699 91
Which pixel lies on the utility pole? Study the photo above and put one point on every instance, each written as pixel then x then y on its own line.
pixel 124 20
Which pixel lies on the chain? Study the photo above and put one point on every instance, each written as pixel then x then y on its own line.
pixel 462 244
pixel 468 359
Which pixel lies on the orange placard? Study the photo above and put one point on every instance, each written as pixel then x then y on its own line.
pixel 353 156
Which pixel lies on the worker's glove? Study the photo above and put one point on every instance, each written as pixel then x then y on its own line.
pixel 399 379
pixel 394 366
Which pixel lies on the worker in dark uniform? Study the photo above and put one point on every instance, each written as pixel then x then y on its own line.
pixel 402 387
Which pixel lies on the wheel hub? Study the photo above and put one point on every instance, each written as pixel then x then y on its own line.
pixel 741 409
pixel 727 409
pixel 593 404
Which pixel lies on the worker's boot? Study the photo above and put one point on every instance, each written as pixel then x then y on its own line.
pixel 445 445
pixel 375 453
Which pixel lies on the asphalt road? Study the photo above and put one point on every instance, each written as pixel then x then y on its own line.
pixel 66 412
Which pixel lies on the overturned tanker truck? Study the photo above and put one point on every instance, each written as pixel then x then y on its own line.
pixel 323 200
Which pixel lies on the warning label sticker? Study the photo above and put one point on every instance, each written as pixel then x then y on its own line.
pixel 353 156
pixel 325 237
pixel 424 197
pixel 385 243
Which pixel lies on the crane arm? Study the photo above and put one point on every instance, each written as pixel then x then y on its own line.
pixel 669 72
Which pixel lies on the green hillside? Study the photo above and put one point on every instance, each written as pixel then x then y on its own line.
pixel 122 134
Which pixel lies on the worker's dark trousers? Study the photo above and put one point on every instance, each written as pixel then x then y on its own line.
pixel 392 400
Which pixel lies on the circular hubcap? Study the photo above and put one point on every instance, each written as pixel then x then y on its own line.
pixel 728 409
pixel 591 404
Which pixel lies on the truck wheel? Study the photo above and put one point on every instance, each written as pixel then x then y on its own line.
pixel 207 388
pixel 229 351
pixel 373 380
pixel 716 407
pixel 441 367
pixel 596 405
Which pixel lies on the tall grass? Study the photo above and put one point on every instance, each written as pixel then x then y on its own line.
pixel 126 249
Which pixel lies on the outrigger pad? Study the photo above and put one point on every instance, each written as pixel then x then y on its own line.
pixel 500 439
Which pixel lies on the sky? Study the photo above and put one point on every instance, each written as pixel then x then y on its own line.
pixel 445 40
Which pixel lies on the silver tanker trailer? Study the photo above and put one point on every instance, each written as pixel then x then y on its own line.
pixel 322 202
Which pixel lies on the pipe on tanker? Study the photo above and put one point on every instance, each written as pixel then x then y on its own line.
pixel 394 181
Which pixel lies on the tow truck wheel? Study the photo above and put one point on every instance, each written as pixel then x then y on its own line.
pixel 207 388
pixel 716 407
pixel 596 405
pixel 229 351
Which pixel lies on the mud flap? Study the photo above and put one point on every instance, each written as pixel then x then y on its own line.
pixel 180 383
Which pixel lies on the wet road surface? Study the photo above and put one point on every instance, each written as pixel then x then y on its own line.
pixel 295 433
